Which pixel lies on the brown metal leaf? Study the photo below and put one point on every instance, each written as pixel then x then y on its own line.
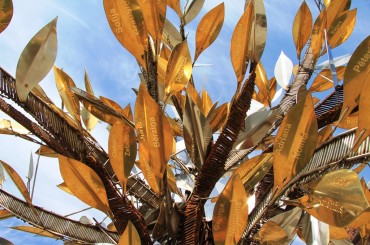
pixel 230 215
pixel 239 43
pixel 197 132
pixel 17 181
pixel 179 69
pixel 84 183
pixel 4 241
pixel 171 36
pixel 64 82
pixel 155 138
pixel 209 28
pixel 218 117
pixel 335 9
pixel 317 35
pixel 36 60
pixel 122 149
pixel 271 233
pixel 192 9
pixel 256 127
pixel 295 140
pixel 36 231
pixel 342 28
pixel 254 169
pixel 355 76
pixel 175 5
pixel 126 21
pixel 324 80
pixel 154 12
pixel 5 214
pixel 337 199
pixel 130 236
pixel 6 13
pixel 302 26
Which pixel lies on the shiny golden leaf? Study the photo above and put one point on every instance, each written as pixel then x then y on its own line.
pixel 351 121
pixel 171 36
pixel 335 9
pixel 271 87
pixel 36 60
pixel 64 82
pixel 84 183
pixel 45 151
pixel 254 169
pixel 175 5
pixel 36 231
pixel 12 127
pixel 295 140
pixel 271 233
pixel 176 129
pixel 209 28
pixel 207 103
pixel 324 134
pixel 288 221
pixel 230 215
pixel 165 53
pixel 88 119
pixel 171 180
pixel 65 188
pixel 217 118
pixel 324 80
pixel 239 43
pixel 127 24
pixel 6 13
pixel 261 82
pixel 179 69
pixel 355 76
pixel 362 131
pixel 193 93
pixel 161 70
pixel 197 132
pixel 17 181
pixel 337 199
pixel 317 35
pixel 130 236
pixel 342 28
pixel 154 12
pixel 256 127
pixel 111 227
pixel 192 9
pixel 154 136
pixel 358 170
pixel 338 233
pixel 122 149
pixel 302 26
pixel 5 214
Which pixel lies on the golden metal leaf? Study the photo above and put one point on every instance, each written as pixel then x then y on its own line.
pixel 295 140
pixel 154 136
pixel 256 127
pixel 175 5
pixel 165 52
pixel 362 132
pixel 65 188
pixel 12 127
pixel 254 169
pixel 239 43
pixel 17 181
pixel 84 183
pixel 35 230
pixel 161 70
pixel 126 21
pixel 230 215
pixel 324 134
pixel 193 93
pixel 192 9
pixel 45 151
pixel 317 35
pixel 324 80
pixel 171 36
pixel 261 82
pixel 209 28
pixel 218 117
pixel 122 149
pixel 171 180
pixel 337 199
pixel 111 227
pixel 5 214
pixel 114 105
pixel 130 236
pixel 342 28
pixel 88 119
pixel 207 103
pixel 6 13
pixel 64 82
pixel 351 121
pixel 179 69
pixel 271 233
pixel 338 233
pixel 355 76
pixel 302 26
pixel 197 132
pixel 176 129
pixel 154 12
pixel 361 220
pixel 36 59
pixel 335 9
pixel 271 87
pixel 288 221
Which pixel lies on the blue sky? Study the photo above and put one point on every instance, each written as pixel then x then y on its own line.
pixel 86 41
